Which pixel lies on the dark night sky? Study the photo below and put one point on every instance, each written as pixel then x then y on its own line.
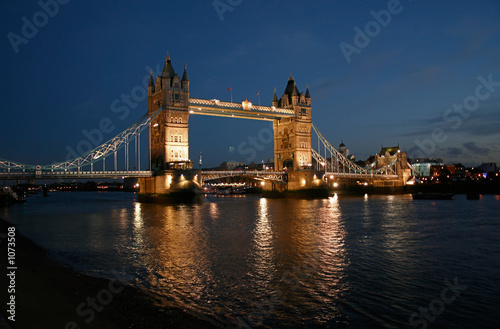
pixel 399 86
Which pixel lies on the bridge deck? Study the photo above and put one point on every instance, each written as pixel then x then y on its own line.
pixel 236 110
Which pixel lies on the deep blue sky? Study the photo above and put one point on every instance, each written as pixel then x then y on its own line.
pixel 394 90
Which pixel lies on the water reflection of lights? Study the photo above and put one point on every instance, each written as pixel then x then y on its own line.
pixel 138 226
pixel 263 244
pixel 213 210
pixel 397 232
pixel 138 220
pixel 331 254
pixel 263 209
pixel 179 260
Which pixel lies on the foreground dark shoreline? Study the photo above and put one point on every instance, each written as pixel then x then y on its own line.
pixel 49 295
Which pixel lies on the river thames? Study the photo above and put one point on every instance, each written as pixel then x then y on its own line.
pixel 360 262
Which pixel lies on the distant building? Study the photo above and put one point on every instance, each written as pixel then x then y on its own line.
pixel 422 166
pixel 488 167
pixel 474 173
pixel 439 170
pixel 230 165
pixel 343 150
pixel 459 170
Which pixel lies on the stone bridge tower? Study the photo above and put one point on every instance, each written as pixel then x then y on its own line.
pixel 168 134
pixel 292 136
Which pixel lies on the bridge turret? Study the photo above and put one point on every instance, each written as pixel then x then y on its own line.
pixel 169 139
pixel 185 79
pixel 275 99
pixel 292 136
pixel 308 96
pixel 295 95
pixel 168 73
pixel 151 85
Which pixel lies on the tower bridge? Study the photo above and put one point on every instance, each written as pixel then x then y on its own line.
pixel 297 165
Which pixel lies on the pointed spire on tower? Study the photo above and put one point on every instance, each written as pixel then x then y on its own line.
pixel 308 95
pixel 275 99
pixel 151 82
pixel 168 69
pixel 295 91
pixel 185 74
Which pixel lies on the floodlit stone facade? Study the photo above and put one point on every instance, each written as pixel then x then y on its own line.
pixel 168 135
pixel 292 136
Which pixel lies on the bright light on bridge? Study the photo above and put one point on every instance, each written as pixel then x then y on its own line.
pixel 246 105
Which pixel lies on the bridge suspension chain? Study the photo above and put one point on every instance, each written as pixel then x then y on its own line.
pixel 389 168
pixel 336 154
pixel 101 152
pixel 320 159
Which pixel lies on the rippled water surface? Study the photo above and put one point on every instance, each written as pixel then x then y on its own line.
pixel 360 262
